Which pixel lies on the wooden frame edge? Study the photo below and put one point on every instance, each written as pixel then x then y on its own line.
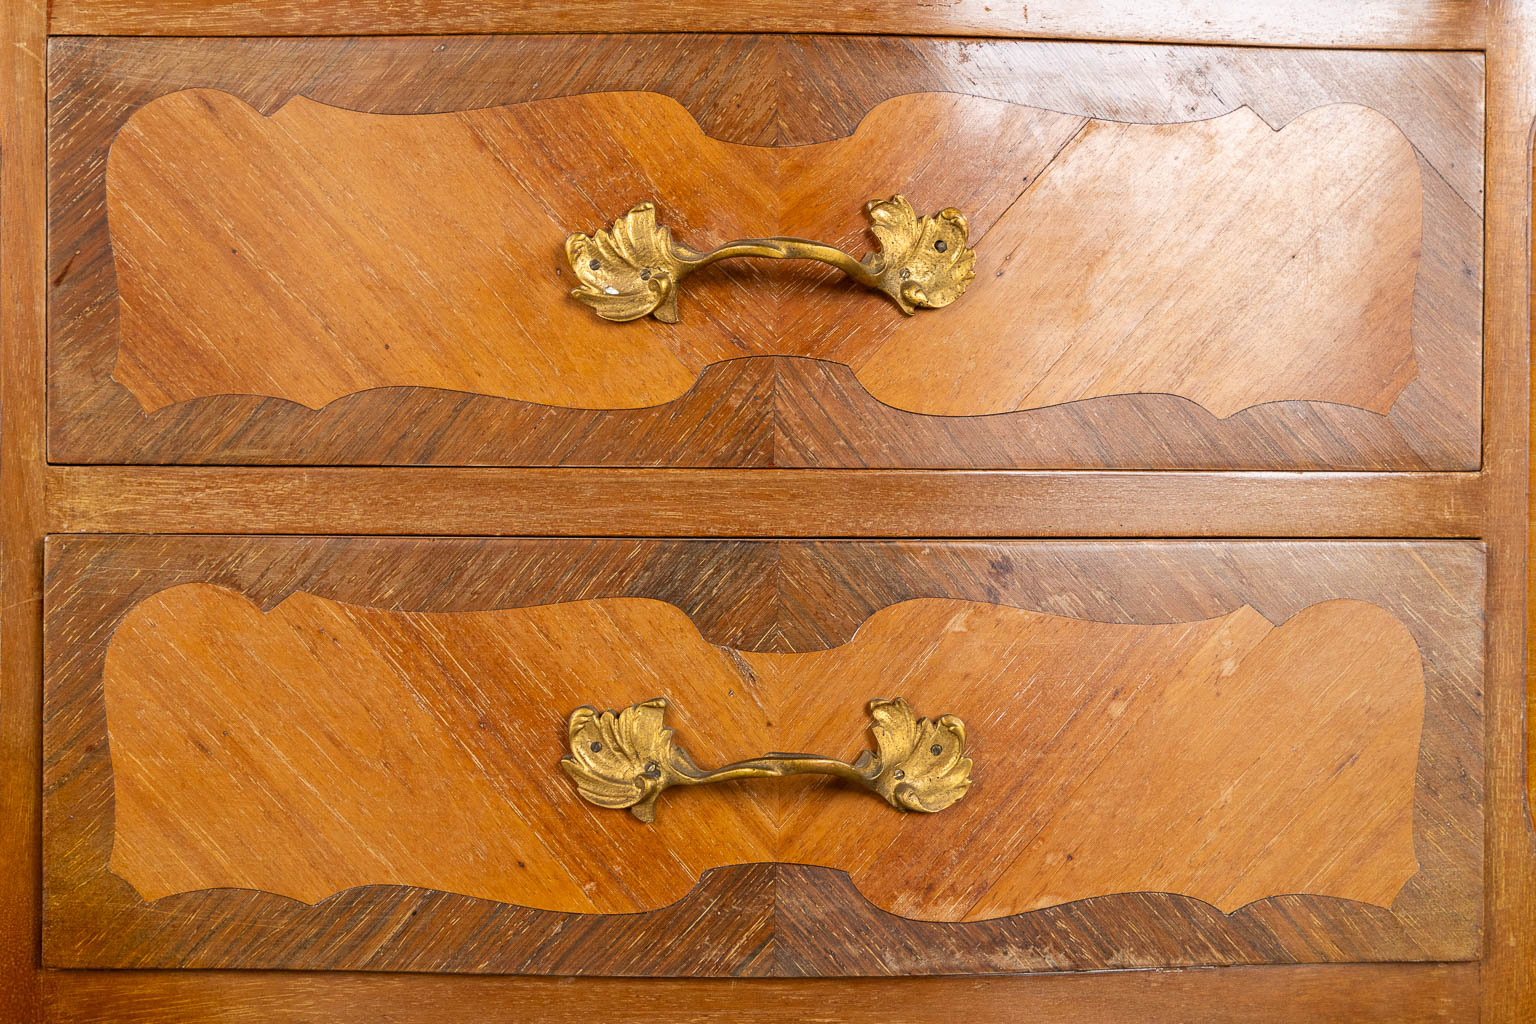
pixel 760 502
pixel 1373 24
pixel 1225 995
pixel 1509 952
pixel 23 192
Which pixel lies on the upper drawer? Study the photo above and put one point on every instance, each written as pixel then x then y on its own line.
pixel 1184 257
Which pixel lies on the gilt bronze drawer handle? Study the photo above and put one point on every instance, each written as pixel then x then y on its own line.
pixel 626 758
pixel 634 267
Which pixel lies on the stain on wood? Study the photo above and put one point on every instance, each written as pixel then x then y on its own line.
pixel 1407 406
pixel 778 643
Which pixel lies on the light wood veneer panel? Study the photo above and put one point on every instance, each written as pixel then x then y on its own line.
pixel 302 752
pixel 319 253
pixel 782 606
pixel 1219 261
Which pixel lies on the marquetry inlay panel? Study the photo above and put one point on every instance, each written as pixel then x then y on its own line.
pixel 1239 752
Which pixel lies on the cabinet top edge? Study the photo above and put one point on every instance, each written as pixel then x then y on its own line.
pixel 1356 24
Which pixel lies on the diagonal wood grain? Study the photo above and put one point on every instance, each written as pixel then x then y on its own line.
pixel 1166 754
pixel 1219 261
pixel 322 738
pixel 1500 990
pixel 794 598
pixel 320 252
pixel 821 414
pixel 299 753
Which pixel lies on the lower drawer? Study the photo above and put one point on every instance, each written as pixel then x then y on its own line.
pixel 356 753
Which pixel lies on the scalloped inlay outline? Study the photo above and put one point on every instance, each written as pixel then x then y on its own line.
pixel 1339 187
pixel 215 710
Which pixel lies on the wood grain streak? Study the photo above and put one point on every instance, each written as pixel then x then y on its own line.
pixel 1335 994
pixel 773 94
pixel 1509 951
pixel 1419 24
pixel 300 752
pixel 761 502
pixel 302 256
pixel 1530 522
pixel 779 605
pixel 23 304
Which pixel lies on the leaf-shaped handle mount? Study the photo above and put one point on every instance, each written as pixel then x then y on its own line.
pixel 632 269
pixel 625 759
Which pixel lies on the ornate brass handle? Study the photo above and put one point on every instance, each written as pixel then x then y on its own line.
pixel 634 268
pixel 626 759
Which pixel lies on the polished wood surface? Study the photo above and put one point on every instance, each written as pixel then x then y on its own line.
pixel 1300 287
pixel 455 720
pixel 811 625
pixel 1381 408
pixel 1530 695
pixel 23 291
pixel 1489 503
pixel 757 502
pixel 1333 994
pixel 296 256
pixel 1417 24
pixel 1509 946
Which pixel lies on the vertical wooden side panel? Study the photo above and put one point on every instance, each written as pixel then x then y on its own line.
pixel 1509 953
pixel 22 235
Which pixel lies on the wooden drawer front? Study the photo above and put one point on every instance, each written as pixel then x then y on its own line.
pixel 1185 257
pixel 346 753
